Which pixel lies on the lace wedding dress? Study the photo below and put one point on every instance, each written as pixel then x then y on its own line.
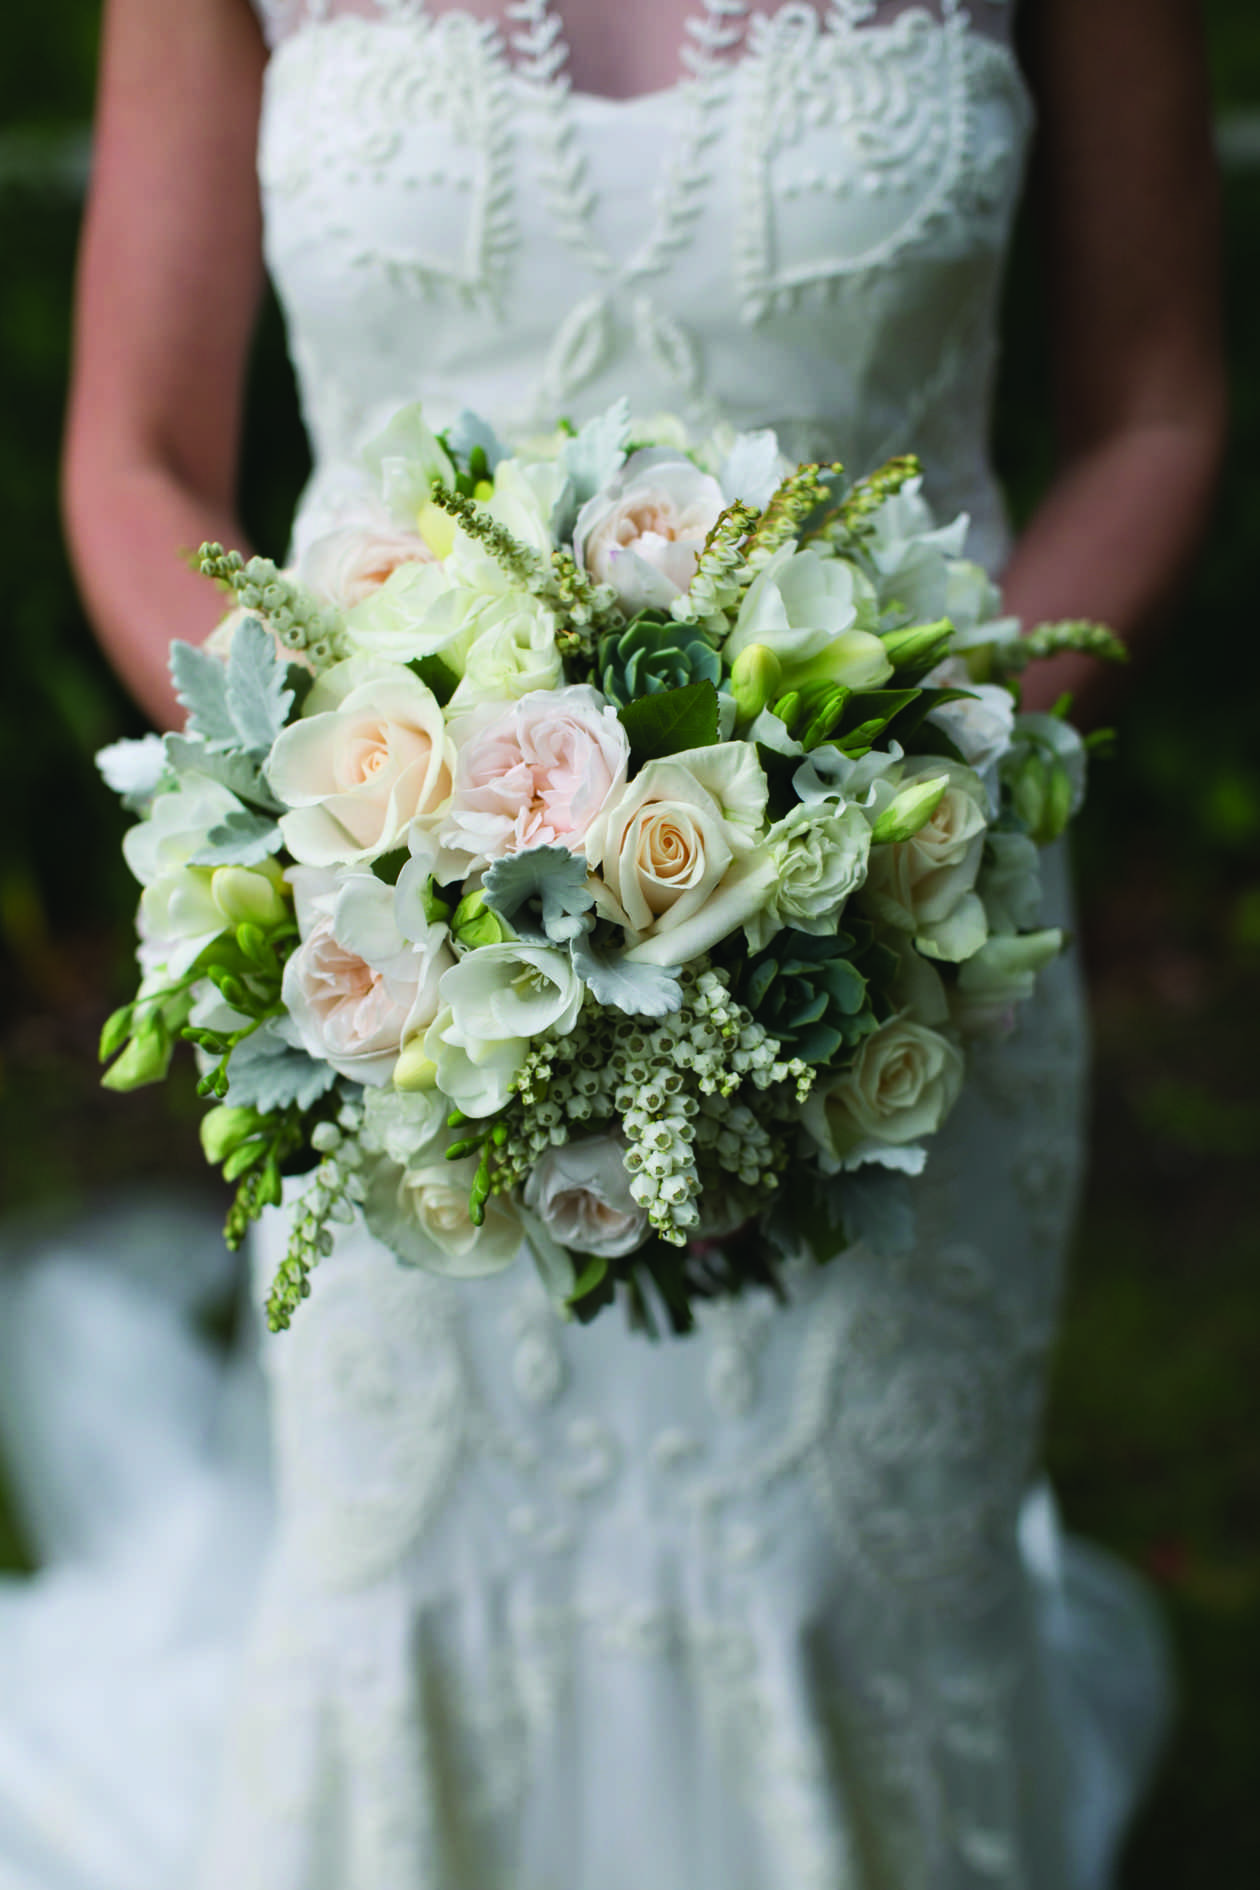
pixel 779 1607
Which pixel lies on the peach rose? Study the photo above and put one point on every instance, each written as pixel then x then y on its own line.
pixel 355 988
pixel 346 566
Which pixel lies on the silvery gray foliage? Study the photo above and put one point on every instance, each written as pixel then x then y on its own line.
pixel 244 839
pixel 620 983
pixel 242 704
pixel 266 1073
pixel 542 893
pixel 595 455
pixel 468 431
pixel 229 768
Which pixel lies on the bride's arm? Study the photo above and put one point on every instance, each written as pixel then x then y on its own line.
pixel 169 278
pixel 1128 203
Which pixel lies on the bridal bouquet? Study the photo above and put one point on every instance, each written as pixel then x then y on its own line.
pixel 610 846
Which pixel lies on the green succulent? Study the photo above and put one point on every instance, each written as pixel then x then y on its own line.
pixel 816 994
pixel 652 654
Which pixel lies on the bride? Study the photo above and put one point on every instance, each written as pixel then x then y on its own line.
pixel 780 1607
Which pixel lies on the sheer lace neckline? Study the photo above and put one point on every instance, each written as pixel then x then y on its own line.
pixel 713 37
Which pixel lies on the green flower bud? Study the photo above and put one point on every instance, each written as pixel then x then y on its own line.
pixel 476 924
pixel 755 675
pixel 224 1129
pixel 920 646
pixel 908 811
pixel 246 897
pixel 145 1060
pixel 1030 790
pixel 415 1070
pixel 116 1031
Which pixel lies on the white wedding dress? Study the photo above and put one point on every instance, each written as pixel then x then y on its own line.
pixel 778 1607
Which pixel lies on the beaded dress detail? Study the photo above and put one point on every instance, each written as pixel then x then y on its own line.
pixel 780 1606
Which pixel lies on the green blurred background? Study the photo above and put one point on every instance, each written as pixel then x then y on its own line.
pixel 1154 1429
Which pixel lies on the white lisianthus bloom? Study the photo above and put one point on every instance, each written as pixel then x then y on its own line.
pixel 681 853
pixel 421 1213
pixel 495 1002
pixel 981 723
pixel 533 773
pixel 898 1090
pixel 419 610
pixel 581 1194
pixel 178 826
pixel 355 989
pixel 813 612
pixel 912 556
pixel 643 532
pixel 513 654
pixel 348 565
pixel 819 856
pixel 925 885
pixel 369 754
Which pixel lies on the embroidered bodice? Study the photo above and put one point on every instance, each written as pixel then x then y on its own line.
pixel 805 230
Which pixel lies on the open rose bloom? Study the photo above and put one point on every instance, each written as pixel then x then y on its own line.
pixel 593 853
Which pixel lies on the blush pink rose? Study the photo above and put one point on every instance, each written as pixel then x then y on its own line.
pixel 348 565
pixel 533 773
pixel 644 532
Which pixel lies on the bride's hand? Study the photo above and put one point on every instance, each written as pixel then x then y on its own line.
pixel 1126 188
pixel 169 279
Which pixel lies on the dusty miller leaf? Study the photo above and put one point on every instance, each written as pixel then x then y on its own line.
pixel 623 984
pixel 244 839
pixel 201 688
pixel 542 893
pixel 257 696
pixel 595 455
pixel 265 1073
pixel 231 769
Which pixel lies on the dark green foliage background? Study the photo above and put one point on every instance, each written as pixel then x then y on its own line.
pixel 1154 1428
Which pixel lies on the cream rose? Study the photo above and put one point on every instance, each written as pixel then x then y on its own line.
pixel 534 773
pixel 347 566
pixel 421 1212
pixel 680 854
pixel 899 1088
pixel 581 1194
pixel 369 755
pixel 924 885
pixel 355 989
pixel 643 532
